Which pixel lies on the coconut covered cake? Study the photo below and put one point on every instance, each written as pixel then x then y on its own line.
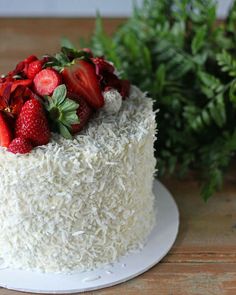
pixel 76 164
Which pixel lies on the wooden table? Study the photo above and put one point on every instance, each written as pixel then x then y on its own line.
pixel 203 259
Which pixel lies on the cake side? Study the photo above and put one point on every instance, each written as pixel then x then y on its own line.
pixel 78 204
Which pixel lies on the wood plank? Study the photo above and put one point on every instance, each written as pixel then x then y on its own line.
pixel 207 230
pixel 176 279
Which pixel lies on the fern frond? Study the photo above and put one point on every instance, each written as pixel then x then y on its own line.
pixel 227 63
pixel 174 50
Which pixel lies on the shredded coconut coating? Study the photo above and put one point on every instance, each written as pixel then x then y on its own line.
pixel 113 101
pixel 78 204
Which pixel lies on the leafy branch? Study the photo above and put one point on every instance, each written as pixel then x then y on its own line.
pixel 174 50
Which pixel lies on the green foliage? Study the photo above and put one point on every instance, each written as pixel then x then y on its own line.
pixel 227 63
pixel 66 56
pixel 174 50
pixel 61 111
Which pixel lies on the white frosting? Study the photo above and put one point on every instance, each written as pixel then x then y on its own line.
pixel 113 101
pixel 78 204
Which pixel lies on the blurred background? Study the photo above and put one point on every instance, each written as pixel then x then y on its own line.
pixel 28 26
pixel 75 8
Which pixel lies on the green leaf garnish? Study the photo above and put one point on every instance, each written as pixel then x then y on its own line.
pixel 66 58
pixel 62 111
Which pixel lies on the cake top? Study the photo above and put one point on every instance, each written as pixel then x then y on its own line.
pixel 56 94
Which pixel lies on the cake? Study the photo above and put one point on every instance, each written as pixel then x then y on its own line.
pixel 82 202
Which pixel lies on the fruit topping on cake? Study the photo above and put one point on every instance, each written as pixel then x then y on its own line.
pixel 82 80
pixel 62 111
pixel 84 112
pixel 32 123
pixel 34 68
pixel 56 94
pixel 46 81
pixel 5 132
pixel 20 145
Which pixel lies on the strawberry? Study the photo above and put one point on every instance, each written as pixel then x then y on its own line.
pixel 89 51
pixel 68 112
pixel 30 59
pixel 20 145
pixel 25 83
pixel 5 132
pixel 102 65
pixel 34 68
pixel 14 84
pixel 84 113
pixel 124 88
pixel 80 78
pixel 46 81
pixel 32 123
pixel 22 67
pixel 110 80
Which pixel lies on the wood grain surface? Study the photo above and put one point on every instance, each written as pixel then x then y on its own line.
pixel 203 259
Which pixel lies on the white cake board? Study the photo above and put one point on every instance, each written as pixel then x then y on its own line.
pixel 159 243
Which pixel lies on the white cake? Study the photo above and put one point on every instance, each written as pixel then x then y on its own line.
pixel 79 204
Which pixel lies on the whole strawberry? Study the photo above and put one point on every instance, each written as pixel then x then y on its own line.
pixel 20 145
pixel 102 65
pixel 32 123
pixel 84 113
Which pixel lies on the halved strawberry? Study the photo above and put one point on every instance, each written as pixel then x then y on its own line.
pixel 84 113
pixel 20 145
pixel 80 78
pixel 5 132
pixel 46 81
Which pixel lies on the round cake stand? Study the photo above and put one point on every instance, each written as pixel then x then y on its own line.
pixel 157 246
